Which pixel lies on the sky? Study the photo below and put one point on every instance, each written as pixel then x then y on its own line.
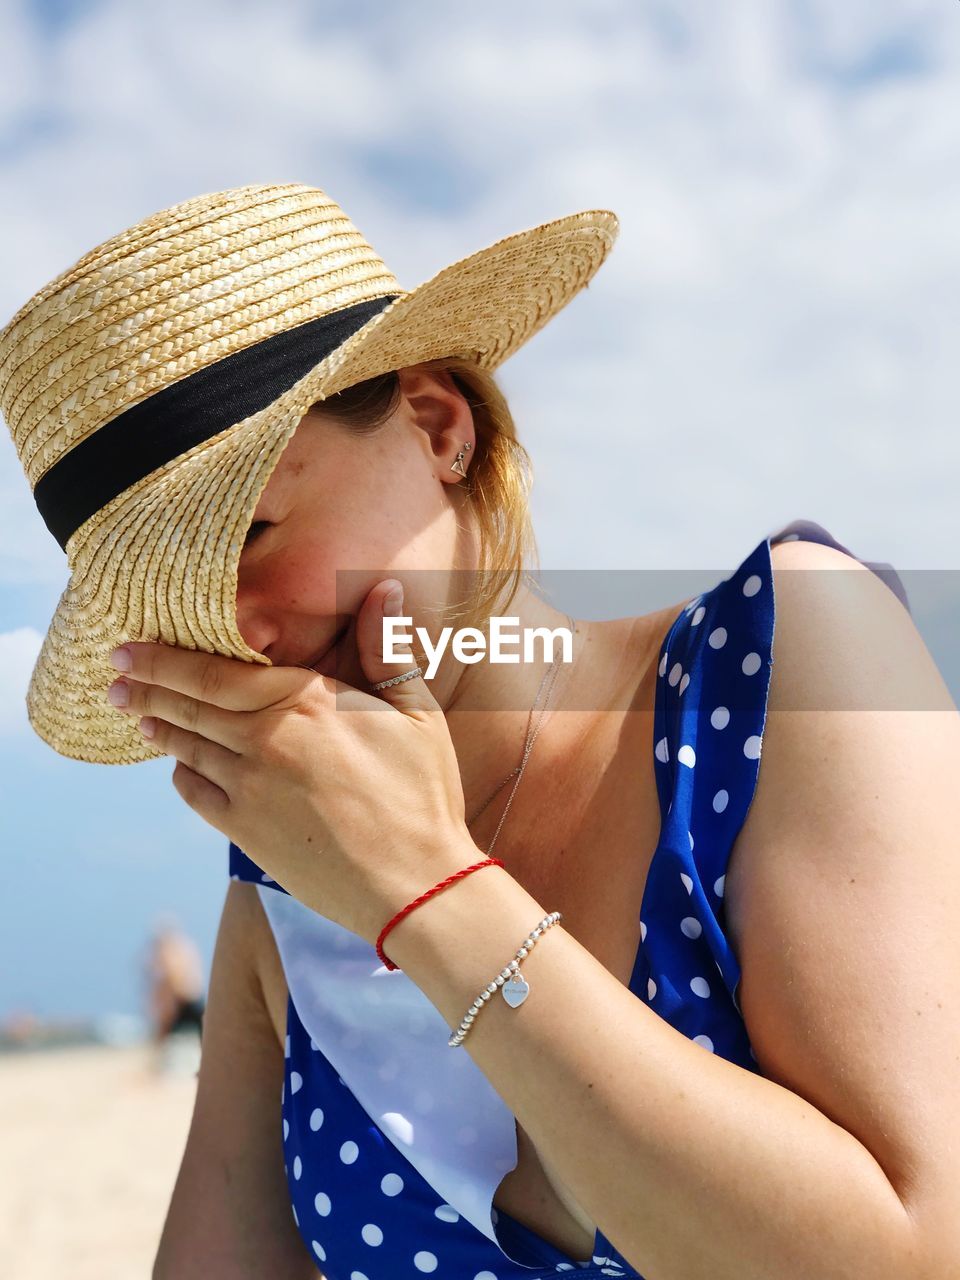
pixel 774 335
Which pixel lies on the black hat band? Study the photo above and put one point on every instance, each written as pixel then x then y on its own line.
pixel 175 419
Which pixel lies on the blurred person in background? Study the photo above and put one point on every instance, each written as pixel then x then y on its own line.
pixel 174 971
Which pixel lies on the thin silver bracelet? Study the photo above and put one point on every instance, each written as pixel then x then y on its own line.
pixel 514 989
pixel 407 675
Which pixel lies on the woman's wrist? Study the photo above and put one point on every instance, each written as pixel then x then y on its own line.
pixel 461 938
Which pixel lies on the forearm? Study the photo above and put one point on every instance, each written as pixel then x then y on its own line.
pixel 694 1168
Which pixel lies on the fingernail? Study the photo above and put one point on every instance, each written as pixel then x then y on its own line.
pixel 393 602
pixel 121 659
pixel 147 726
pixel 119 693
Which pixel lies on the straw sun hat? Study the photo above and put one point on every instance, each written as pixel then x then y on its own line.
pixel 151 388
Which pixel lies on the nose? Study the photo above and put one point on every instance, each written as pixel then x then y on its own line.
pixel 254 622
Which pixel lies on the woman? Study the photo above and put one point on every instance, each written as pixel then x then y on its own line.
pixel 736 1055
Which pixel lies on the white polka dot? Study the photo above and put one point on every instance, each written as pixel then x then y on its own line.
pixel 676 671
pixel 651 988
pixel 720 717
pixel 686 881
pixel 391 1184
pixel 663 665
pixel 683 684
pixel 446 1213
pixel 316 1119
pixel 398 1125
pixel 643 932
pixel 704 1041
pixel 296 1081
pixel 690 927
pixel 286 1128
pixel 267 879
pixel 371 1234
pixel 700 987
pixel 720 801
pixel 717 638
pixel 234 876
pixel 286 1047
pixel 295 1218
pixel 789 537
pixel 718 886
pixel 751 748
pixel 752 585
pixel 484 1275
pixel 690 838
pixel 662 751
pixel 321 1202
pixel 751 664
pixel 319 1250
pixel 297 1168
pixel 349 1152
pixel 425 1261
pixel 314 1046
pixel 357 1275
pixel 686 755
pixel 698 617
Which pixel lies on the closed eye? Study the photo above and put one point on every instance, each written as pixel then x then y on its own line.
pixel 255 530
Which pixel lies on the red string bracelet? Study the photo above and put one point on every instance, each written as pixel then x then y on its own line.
pixel 457 875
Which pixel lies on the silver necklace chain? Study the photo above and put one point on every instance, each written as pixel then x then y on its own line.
pixel 531 738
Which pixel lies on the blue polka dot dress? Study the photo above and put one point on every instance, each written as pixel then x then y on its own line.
pixel 394 1143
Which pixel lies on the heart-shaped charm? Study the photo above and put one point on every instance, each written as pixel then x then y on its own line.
pixel 515 991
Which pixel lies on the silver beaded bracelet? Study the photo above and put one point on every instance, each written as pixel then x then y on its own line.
pixel 514 989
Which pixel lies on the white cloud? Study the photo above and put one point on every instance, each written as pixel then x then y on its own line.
pixel 19 650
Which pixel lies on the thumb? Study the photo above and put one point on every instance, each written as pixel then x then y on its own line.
pixel 382 626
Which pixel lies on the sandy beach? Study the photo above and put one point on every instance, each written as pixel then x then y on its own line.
pixel 90 1143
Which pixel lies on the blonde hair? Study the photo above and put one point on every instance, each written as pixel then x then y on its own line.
pixel 498 482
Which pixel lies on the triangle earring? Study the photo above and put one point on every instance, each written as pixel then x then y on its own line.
pixel 458 460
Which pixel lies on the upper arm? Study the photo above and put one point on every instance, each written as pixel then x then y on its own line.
pixel 843 894
pixel 230 1214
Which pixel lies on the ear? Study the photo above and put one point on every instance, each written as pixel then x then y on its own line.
pixel 437 408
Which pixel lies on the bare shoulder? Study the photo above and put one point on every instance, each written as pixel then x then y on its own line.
pixel 229 1214
pixel 847 655
pixel 256 935
pixel 843 888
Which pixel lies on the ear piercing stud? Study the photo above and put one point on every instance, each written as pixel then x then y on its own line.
pixel 458 460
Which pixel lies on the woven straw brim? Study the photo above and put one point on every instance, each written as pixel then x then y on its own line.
pixel 160 561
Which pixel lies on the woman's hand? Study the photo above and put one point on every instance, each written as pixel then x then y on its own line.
pixel 351 801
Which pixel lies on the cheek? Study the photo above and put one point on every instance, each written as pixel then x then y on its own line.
pixel 307 576
pixel 301 577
